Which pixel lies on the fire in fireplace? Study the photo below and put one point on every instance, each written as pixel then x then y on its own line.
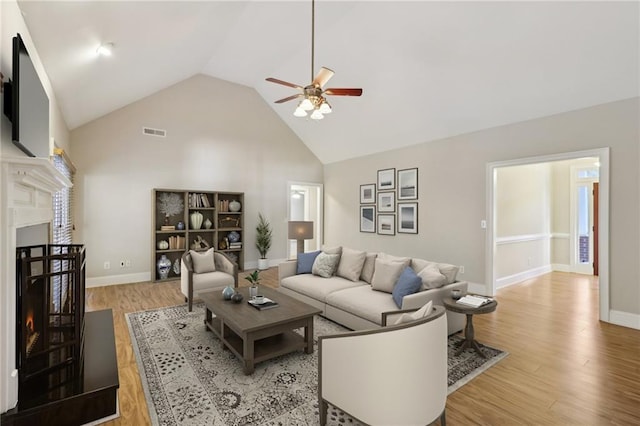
pixel 50 282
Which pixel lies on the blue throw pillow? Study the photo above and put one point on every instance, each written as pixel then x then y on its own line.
pixel 408 283
pixel 305 262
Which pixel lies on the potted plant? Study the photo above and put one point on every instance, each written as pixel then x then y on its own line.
pixel 263 241
pixel 254 279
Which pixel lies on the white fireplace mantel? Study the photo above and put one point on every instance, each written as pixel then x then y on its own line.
pixel 27 186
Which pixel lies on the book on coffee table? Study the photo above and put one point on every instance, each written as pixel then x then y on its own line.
pixel 265 304
pixel 475 301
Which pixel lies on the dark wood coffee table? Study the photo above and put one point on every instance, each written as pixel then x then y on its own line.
pixel 253 335
pixel 469 334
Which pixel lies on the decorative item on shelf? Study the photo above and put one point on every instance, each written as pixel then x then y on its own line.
pixel 223 244
pixel 263 241
pixel 163 245
pixel 200 244
pixel 233 237
pixel 227 292
pixel 164 266
pixel 232 256
pixel 169 204
pixel 254 279
pixel 176 266
pixel 207 223
pixel 229 222
pixel 237 297
pixel 234 206
pixel 196 220
pixel 180 226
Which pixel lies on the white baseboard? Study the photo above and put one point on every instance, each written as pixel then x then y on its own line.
pixel 521 276
pixel 625 319
pixel 561 267
pixel 118 279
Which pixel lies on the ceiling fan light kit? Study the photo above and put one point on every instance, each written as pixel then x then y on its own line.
pixel 313 94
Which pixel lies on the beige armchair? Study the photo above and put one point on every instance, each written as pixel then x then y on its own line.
pixel 191 282
pixel 395 375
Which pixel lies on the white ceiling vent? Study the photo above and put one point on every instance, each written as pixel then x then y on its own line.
pixel 154 132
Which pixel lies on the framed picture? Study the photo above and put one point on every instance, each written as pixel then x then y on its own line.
pixel 368 193
pixel 386 201
pixel 408 184
pixel 367 219
pixel 386 179
pixel 408 218
pixel 387 224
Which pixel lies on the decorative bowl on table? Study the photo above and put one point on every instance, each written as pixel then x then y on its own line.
pixel 456 294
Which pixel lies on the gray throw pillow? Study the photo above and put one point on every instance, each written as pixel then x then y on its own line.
pixel 325 265
pixel 203 261
pixel 351 263
pixel 368 267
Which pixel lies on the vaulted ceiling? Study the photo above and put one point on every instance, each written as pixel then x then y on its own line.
pixel 429 70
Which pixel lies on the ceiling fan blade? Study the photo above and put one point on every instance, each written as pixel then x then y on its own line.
pixel 322 77
pixel 343 92
pixel 284 83
pixel 289 98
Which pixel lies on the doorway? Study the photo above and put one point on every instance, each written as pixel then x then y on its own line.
pixel 583 238
pixel 305 203
pixel 600 218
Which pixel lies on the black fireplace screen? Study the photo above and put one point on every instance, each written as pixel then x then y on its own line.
pixel 50 316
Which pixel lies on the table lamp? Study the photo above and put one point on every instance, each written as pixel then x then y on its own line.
pixel 300 231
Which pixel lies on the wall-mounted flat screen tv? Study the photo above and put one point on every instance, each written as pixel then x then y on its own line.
pixel 28 106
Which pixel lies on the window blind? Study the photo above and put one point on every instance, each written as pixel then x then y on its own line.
pixel 63 202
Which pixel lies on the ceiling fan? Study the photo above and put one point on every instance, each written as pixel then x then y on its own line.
pixel 314 95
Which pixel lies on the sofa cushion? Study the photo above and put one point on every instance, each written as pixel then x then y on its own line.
pixel 368 267
pixel 390 258
pixel 203 261
pixel 317 287
pixel 408 283
pixel 325 264
pixel 386 274
pixel 305 262
pixel 422 312
pixel 431 277
pixel 351 263
pixel 446 269
pixel 363 302
pixel 332 250
pixel 212 280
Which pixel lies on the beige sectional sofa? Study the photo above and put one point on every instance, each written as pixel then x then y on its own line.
pixel 359 291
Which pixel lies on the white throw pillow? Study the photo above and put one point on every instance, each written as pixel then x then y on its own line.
pixel 325 264
pixel 446 269
pixel 422 312
pixel 203 261
pixel 386 274
pixel 431 277
pixel 351 263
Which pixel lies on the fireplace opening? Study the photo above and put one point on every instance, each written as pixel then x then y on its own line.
pixel 50 284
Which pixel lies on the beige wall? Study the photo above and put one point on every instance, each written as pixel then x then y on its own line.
pixel 452 190
pixel 220 136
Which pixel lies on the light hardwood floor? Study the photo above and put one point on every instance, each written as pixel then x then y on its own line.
pixel 564 366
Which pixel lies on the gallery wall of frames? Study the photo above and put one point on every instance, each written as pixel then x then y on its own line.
pixel 391 204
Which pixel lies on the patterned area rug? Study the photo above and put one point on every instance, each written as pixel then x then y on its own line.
pixel 189 379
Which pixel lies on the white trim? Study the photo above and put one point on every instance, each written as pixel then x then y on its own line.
pixel 603 261
pixel 561 267
pixel 625 319
pixel 119 279
pixel 521 276
pixel 560 235
pixel 512 239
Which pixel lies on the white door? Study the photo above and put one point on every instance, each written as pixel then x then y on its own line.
pixel 582 179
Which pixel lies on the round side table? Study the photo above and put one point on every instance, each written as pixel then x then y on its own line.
pixel 469 338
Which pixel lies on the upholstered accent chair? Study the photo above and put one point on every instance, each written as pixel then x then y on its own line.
pixel 394 375
pixel 209 270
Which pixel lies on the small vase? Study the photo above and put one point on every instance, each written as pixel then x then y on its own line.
pixel 176 266
pixel 164 266
pixel 253 291
pixel 163 245
pixel 207 223
pixel 234 206
pixel 237 297
pixel 228 292
pixel 196 220
pixel 180 226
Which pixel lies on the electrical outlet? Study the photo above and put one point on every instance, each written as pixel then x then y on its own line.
pixel 461 270
pixel 122 263
pixel 107 265
pixel 127 263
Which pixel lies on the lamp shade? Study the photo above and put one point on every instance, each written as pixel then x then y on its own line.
pixel 300 230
